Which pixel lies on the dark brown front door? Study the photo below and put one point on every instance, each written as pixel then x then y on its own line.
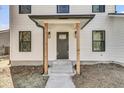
pixel 62 45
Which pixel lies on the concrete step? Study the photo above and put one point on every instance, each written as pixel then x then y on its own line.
pixel 61 74
pixel 61 67
pixel 60 82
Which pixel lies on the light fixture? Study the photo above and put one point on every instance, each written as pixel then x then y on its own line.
pixel 75 33
pixel 49 35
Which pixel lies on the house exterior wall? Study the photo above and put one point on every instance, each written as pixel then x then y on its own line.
pixel 118 39
pixel 21 22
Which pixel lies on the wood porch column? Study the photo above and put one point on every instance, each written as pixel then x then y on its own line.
pixel 45 48
pixel 78 48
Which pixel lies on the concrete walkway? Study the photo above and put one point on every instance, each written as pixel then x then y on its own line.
pixel 60 74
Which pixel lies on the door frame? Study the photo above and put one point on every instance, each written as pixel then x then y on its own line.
pixel 57 42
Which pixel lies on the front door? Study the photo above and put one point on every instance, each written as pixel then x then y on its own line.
pixel 62 45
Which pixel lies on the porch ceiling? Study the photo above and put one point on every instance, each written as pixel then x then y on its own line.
pixel 61 19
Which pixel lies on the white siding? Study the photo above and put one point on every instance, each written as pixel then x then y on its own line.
pixel 100 22
pixel 118 39
pixel 74 9
pixel 21 22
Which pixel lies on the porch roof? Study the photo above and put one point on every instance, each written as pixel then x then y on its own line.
pixel 83 19
pixel 116 14
pixel 62 16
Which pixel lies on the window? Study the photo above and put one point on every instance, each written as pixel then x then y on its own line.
pixel 25 41
pixel 98 42
pixel 98 8
pixel 62 8
pixel 24 9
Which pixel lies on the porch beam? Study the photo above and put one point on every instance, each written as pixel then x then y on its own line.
pixel 78 48
pixel 45 48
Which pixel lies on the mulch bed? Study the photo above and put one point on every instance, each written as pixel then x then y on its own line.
pixel 28 77
pixel 100 76
pixel 26 69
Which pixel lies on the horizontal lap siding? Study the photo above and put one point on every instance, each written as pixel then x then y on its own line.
pixel 118 38
pixel 21 22
pixel 100 22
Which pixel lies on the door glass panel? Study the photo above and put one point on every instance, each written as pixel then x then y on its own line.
pixel 62 36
